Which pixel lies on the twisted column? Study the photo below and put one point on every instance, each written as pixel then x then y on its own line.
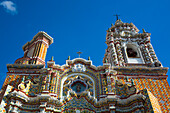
pixel 146 55
pixel 114 55
pixel 152 52
pixel 119 53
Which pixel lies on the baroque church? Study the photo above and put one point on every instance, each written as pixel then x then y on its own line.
pixel 131 79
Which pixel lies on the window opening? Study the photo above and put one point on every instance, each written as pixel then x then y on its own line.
pixel 131 52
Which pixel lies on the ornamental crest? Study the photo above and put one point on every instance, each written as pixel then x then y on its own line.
pixel 79 68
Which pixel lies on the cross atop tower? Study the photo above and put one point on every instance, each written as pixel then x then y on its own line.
pixel 79 53
pixel 116 16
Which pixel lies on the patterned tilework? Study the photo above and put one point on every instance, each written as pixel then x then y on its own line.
pixel 104 84
pixel 32 87
pixel 4 102
pixel 122 91
pixel 113 85
pixel 124 88
pixel 158 87
pixel 12 80
pixel 148 106
pixel 151 104
pixel 82 104
pixel 154 102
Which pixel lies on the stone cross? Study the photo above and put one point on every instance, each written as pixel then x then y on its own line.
pixel 79 53
pixel 116 16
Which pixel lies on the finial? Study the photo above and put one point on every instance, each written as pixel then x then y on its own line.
pixel 117 16
pixel 79 53
pixel 132 81
pixel 52 58
pixel 89 58
pixel 68 57
pixel 143 31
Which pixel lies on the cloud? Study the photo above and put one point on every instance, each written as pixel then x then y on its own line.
pixel 9 6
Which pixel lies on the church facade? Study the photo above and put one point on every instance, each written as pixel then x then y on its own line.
pixel 131 79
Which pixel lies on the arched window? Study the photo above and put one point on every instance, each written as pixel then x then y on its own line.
pixel 133 54
pixel 132 51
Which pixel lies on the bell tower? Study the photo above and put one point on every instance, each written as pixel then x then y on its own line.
pixel 127 47
pixel 35 50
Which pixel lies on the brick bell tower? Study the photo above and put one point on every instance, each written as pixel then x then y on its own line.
pixel 35 50
pixel 131 54
pixel 127 47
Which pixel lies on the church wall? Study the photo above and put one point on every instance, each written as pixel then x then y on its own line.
pixel 158 87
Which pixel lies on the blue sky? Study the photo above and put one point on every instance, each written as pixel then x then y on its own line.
pixel 78 25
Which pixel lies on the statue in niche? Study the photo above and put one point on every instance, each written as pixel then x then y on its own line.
pixel 78 87
pixel 131 52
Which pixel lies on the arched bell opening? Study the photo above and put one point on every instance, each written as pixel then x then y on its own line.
pixel 133 54
pixel 132 51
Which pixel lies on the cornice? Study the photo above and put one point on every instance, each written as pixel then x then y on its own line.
pixel 25 66
pixel 41 33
